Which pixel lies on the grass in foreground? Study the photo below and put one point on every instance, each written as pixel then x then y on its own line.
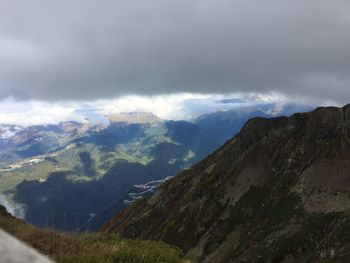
pixel 89 248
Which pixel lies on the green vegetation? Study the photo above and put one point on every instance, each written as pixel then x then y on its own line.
pixel 89 248
pixel 64 189
pixel 88 160
pixel 10 179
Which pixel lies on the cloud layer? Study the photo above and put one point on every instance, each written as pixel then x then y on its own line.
pixel 87 50
pixel 184 106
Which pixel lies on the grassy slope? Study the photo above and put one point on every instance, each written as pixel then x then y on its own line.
pixel 88 248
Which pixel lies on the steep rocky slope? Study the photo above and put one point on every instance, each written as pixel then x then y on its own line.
pixel 279 191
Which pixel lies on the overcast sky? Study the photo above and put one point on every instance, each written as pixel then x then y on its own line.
pixel 98 49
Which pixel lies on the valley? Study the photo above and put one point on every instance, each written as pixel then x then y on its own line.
pixel 74 170
pixel 278 191
pixel 180 131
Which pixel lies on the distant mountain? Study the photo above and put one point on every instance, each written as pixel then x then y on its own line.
pixel 225 124
pixel 277 192
pixel 76 176
pixel 8 131
pixel 134 117
pixel 18 143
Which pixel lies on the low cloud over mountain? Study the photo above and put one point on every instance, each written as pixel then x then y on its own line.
pixel 184 106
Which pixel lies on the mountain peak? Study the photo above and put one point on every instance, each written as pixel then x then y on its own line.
pixel 134 118
pixel 278 191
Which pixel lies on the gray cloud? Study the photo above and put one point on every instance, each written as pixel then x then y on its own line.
pixel 79 49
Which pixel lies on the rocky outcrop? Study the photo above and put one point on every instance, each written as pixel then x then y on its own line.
pixel 14 251
pixel 278 191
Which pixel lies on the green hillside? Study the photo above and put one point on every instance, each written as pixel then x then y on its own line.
pixel 89 248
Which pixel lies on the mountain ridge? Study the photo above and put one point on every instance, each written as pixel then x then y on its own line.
pixel 260 197
pixel 75 159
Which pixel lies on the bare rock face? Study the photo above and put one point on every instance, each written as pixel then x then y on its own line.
pixel 14 251
pixel 278 191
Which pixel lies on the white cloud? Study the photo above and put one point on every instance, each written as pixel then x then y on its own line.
pixel 174 106
pixel 33 112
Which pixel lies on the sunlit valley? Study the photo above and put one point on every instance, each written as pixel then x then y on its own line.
pixel 76 176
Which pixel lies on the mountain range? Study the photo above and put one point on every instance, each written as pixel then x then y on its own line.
pixel 278 191
pixel 77 176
